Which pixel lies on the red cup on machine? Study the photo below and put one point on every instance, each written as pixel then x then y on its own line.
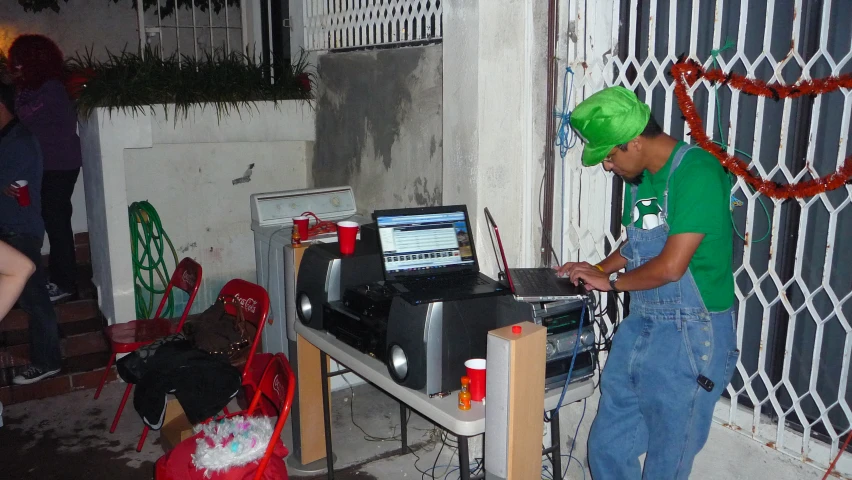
pixel 476 373
pixel 23 189
pixel 301 223
pixel 346 233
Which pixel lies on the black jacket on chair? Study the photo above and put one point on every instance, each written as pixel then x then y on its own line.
pixel 203 383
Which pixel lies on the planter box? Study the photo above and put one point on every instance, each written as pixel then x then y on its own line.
pixel 186 168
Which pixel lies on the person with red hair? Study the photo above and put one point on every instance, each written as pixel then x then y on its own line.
pixel 36 66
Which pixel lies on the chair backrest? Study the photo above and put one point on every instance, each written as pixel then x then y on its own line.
pixel 255 306
pixel 278 384
pixel 186 277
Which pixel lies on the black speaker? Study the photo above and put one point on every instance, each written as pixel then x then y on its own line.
pixel 324 274
pixel 427 344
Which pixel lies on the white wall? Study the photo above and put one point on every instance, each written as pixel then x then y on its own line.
pixel 204 214
pixel 494 113
pixel 186 168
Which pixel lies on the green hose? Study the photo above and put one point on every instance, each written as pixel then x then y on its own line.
pixel 147 247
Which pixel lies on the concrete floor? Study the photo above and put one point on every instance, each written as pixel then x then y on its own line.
pixel 67 437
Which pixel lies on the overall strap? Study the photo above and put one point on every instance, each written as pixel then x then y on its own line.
pixel 678 157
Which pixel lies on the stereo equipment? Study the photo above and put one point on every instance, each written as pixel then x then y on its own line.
pixel 361 318
pixel 366 334
pixel 429 343
pixel 370 300
pixel 562 320
pixel 324 274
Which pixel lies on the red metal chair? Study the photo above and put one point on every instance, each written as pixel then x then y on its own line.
pixel 255 305
pixel 254 302
pixel 277 386
pixel 127 337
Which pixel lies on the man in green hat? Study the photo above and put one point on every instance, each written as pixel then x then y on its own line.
pixel 676 351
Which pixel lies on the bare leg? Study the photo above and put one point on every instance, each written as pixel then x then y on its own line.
pixel 15 270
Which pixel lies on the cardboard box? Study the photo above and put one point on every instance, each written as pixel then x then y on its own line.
pixel 176 427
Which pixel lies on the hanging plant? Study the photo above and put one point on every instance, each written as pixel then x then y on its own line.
pixel 167 7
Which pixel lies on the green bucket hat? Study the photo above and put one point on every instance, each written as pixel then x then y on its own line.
pixel 608 118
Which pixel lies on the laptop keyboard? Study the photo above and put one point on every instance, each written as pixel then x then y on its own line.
pixel 531 279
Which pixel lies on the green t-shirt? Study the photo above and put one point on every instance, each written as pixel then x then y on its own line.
pixel 699 202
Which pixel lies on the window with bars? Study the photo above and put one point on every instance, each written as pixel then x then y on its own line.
pixel 353 24
pixel 791 388
pixel 191 28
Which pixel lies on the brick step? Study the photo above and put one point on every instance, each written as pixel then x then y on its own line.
pixel 77 373
pixel 67 312
pixel 73 346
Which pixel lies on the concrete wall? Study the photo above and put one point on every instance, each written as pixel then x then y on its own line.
pixel 494 119
pixel 379 118
pixel 79 24
pixel 186 169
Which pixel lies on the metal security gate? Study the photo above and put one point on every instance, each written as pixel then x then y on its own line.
pixel 192 29
pixel 353 24
pixel 793 275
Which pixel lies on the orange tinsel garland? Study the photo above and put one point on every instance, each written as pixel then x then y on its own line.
pixel 687 72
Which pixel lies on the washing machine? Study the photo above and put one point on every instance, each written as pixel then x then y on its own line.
pixel 272 222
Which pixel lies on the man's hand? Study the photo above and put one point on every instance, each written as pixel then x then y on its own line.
pixel 11 191
pixel 587 274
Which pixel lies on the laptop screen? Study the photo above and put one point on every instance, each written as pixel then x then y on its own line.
pixel 424 242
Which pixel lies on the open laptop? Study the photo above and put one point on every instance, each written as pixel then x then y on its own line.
pixel 428 254
pixel 534 284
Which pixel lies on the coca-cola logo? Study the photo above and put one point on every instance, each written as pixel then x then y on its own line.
pixel 188 278
pixel 278 386
pixel 248 304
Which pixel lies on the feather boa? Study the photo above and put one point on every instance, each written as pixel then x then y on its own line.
pixel 231 442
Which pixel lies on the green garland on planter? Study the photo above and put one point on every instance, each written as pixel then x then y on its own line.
pixel 135 83
pixel 167 7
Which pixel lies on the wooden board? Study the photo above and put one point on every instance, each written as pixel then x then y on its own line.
pixel 526 388
pixel 310 391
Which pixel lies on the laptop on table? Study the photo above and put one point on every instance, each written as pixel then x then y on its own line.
pixel 428 255
pixel 534 284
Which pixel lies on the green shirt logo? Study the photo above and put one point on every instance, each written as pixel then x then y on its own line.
pixel 647 214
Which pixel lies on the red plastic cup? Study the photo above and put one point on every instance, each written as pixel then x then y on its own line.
pixel 23 188
pixel 302 224
pixel 346 233
pixel 476 372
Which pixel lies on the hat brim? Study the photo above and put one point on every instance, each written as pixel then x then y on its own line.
pixel 595 154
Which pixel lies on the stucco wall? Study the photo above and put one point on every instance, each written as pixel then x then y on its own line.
pixel 379 117
pixel 186 170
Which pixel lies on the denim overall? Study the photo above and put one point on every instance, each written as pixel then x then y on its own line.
pixel 651 400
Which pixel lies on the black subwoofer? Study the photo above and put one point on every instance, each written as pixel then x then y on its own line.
pixel 427 344
pixel 324 274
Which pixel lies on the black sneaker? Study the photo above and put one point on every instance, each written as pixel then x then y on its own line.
pixel 56 292
pixel 32 375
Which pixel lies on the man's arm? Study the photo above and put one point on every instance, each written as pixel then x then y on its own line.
pixel 613 263
pixel 669 266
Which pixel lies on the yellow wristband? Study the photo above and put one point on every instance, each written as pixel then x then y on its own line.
pixel 599 268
